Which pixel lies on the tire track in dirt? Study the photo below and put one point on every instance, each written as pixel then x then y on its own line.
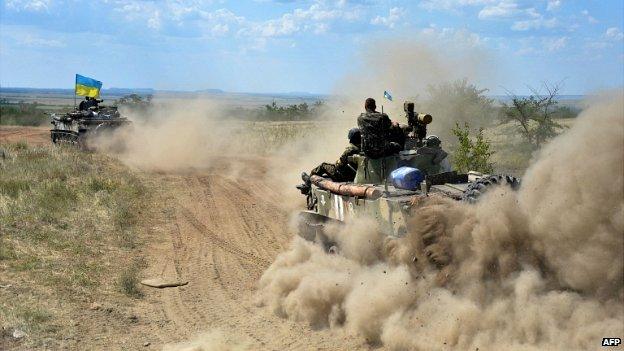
pixel 225 232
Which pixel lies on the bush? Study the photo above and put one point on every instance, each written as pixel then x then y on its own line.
pixel 472 154
pixel 275 112
pixel 129 282
pixel 22 114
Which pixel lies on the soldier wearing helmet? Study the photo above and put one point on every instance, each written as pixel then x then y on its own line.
pixel 342 170
pixel 433 143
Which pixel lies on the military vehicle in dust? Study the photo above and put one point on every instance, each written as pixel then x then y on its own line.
pixel 77 127
pixel 374 193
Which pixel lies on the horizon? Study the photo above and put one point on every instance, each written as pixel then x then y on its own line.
pixel 265 47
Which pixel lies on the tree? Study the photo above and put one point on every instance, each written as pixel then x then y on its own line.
pixel 458 101
pixel 534 114
pixel 472 154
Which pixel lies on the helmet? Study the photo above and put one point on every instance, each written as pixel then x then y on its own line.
pixel 432 141
pixel 355 137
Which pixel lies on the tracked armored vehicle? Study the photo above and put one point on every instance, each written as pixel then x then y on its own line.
pixel 373 195
pixel 76 127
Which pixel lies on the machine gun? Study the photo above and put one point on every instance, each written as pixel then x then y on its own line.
pixel 417 126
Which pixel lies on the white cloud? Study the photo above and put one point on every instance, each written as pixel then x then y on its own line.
pixel 34 41
pixel 283 26
pixel 555 44
pixel 614 33
pixel 315 19
pixel 154 21
pixel 589 18
pixel 525 18
pixel 223 15
pixel 553 5
pixel 536 23
pixel 452 5
pixel 220 29
pixel 503 9
pixel 453 38
pixel 321 28
pixel 29 5
pixel 390 21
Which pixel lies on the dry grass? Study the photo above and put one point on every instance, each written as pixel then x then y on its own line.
pixel 69 223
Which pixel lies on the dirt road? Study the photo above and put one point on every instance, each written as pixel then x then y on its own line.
pixel 219 230
pixel 221 233
pixel 33 135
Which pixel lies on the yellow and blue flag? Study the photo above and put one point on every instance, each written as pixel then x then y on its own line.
pixel 86 86
pixel 387 95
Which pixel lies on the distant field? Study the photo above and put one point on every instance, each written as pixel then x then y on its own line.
pixel 58 97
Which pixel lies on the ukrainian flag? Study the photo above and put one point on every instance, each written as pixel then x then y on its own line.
pixel 86 86
pixel 387 95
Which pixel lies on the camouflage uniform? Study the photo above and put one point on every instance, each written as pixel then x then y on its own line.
pixel 342 170
pixel 377 134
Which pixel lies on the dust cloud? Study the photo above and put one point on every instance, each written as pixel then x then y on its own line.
pixel 533 270
pixel 408 66
pixel 538 269
pixel 173 136
pixel 215 340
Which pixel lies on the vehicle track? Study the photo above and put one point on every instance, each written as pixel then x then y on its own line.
pixel 225 231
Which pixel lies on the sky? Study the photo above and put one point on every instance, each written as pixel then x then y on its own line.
pixel 283 46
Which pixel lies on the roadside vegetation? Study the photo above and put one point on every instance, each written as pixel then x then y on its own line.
pixel 22 114
pixel 70 229
pixel 472 153
pixel 273 112
pixel 505 136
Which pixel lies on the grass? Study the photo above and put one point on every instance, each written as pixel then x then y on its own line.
pixel 69 223
pixel 22 114
pixel 129 281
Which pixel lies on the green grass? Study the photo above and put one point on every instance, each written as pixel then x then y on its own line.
pixel 22 114
pixel 69 221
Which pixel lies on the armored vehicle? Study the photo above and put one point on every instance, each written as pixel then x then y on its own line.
pixel 372 193
pixel 76 127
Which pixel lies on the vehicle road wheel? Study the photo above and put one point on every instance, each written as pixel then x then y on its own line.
pixel 478 188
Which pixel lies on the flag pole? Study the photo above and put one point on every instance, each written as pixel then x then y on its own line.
pixel 75 92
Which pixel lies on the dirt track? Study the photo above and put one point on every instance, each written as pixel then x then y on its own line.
pixel 219 231
pixel 33 135
pixel 222 234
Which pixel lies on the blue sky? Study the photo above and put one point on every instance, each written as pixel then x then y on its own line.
pixel 285 46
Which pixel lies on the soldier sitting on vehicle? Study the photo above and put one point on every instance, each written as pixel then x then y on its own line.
pixel 342 170
pixel 439 157
pixel 88 103
pixel 83 104
pixel 377 132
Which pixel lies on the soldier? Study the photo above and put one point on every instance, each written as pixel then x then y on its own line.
pixel 94 103
pixel 432 146
pixel 377 132
pixel 83 106
pixel 340 171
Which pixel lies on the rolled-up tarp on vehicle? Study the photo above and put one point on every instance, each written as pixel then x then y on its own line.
pixel 363 191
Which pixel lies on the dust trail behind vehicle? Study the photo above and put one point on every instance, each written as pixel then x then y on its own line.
pixel 538 269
